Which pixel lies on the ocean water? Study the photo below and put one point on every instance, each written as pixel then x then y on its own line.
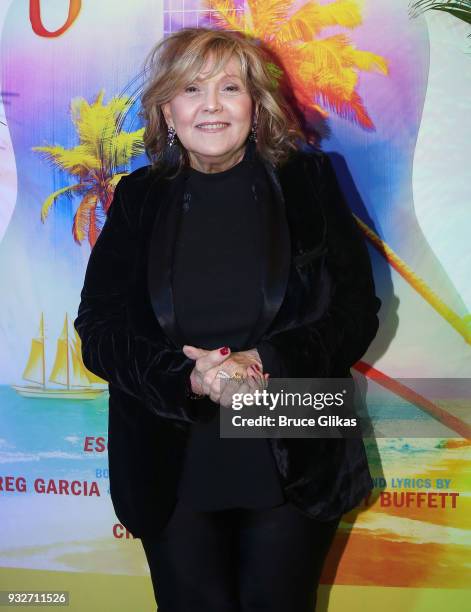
pixel 46 437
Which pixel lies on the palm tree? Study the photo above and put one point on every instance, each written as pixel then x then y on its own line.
pixel 323 69
pixel 103 147
pixel 458 8
pixel 323 72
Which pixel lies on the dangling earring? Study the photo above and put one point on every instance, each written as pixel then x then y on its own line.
pixel 253 132
pixel 170 135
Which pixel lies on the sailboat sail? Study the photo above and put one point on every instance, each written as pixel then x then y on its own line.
pixel 80 373
pixel 68 369
pixel 62 373
pixel 34 370
pixel 59 372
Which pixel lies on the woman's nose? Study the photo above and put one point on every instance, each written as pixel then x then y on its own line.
pixel 212 101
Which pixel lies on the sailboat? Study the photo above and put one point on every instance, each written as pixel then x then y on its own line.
pixel 68 369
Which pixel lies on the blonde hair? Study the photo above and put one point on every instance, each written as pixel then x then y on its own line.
pixel 177 60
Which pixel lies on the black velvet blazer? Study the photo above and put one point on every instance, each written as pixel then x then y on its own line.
pixel 318 318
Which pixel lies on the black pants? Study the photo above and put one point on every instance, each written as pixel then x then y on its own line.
pixel 238 560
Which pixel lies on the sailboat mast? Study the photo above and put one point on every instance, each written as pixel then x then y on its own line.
pixel 67 349
pixel 43 341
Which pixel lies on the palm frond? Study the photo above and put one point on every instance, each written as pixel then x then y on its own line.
pixel 367 61
pixel 266 16
pixel 77 161
pixel 124 146
pixel 320 68
pixel 84 223
pixel 49 201
pixel 461 9
pixel 352 109
pixel 96 123
pixel 322 80
pixel 309 20
pixel 114 180
pixel 224 15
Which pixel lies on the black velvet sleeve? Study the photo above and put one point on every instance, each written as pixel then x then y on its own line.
pixel 337 340
pixel 148 370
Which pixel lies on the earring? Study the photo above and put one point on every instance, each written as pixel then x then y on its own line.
pixel 170 135
pixel 253 132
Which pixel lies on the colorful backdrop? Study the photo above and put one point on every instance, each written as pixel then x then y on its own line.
pixel 391 95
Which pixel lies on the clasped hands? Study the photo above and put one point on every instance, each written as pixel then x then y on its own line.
pixel 203 377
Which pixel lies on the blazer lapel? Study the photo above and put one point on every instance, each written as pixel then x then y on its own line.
pixel 276 249
pixel 162 241
pixel 281 241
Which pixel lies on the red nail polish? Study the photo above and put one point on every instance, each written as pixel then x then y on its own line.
pixel 224 350
pixel 257 367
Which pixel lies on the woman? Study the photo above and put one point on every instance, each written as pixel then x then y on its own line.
pixel 231 256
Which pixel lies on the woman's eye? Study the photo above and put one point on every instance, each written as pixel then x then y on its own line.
pixel 230 88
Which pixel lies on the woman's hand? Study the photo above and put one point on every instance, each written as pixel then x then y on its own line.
pixel 208 363
pixel 250 384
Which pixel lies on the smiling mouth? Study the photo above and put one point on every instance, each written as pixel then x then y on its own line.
pixel 212 127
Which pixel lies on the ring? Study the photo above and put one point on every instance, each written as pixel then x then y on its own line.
pixel 238 376
pixel 222 374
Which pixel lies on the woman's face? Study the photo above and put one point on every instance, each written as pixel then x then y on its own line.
pixel 221 99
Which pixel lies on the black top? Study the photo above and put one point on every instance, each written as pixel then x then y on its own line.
pixel 216 286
